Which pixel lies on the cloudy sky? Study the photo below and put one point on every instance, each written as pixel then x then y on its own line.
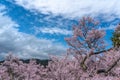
pixel 37 28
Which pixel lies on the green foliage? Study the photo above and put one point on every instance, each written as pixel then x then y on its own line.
pixel 116 39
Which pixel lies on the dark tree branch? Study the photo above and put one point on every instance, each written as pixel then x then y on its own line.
pixel 102 51
pixel 113 65
pixel 94 53
pixel 83 63
pixel 110 68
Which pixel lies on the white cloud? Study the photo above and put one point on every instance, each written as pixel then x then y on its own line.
pixel 52 30
pixel 74 8
pixel 24 45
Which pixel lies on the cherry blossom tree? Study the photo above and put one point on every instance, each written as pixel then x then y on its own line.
pixel 90 60
pixel 87 40
pixel 64 68
pixel 88 47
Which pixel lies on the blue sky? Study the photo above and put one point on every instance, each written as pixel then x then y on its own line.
pixel 36 29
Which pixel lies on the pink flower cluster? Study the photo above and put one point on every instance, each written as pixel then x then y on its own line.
pixel 87 59
pixel 64 68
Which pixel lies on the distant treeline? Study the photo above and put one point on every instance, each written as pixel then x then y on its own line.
pixel 38 61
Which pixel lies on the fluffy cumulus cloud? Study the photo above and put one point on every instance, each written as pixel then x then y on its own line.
pixel 74 8
pixel 21 44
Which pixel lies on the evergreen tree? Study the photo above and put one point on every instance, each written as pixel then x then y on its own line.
pixel 116 37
